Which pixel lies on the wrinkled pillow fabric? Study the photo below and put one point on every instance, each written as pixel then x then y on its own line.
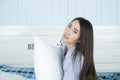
pixel 47 61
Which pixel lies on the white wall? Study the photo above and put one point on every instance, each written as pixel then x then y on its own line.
pixel 14 42
pixel 58 12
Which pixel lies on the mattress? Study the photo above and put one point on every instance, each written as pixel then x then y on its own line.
pixel 28 73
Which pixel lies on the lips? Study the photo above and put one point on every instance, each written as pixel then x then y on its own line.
pixel 65 37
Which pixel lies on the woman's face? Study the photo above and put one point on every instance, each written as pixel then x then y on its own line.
pixel 72 33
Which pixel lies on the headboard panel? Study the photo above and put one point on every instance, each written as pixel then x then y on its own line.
pixel 16 42
pixel 107 48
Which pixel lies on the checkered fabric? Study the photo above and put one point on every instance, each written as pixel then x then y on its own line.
pixel 29 73
pixel 25 72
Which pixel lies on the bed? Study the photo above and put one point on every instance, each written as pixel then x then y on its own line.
pixel 19 42
pixel 20 73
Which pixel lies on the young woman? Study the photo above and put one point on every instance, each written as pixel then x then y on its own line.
pixel 77 48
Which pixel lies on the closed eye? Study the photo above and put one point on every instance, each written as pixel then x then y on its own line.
pixel 75 31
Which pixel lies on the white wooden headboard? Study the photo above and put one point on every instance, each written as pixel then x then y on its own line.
pixel 15 41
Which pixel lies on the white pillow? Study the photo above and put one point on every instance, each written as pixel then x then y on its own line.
pixel 47 61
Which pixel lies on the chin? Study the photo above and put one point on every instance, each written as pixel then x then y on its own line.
pixel 64 40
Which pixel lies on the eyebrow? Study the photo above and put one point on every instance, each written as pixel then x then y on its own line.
pixel 74 27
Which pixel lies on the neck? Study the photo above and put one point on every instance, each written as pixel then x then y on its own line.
pixel 69 46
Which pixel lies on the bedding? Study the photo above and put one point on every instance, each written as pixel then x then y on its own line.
pixel 47 60
pixel 28 73
pixel 108 75
pixel 8 76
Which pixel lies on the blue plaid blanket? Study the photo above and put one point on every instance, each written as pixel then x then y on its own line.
pixel 29 73
pixel 25 72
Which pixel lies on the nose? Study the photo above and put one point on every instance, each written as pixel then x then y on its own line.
pixel 68 31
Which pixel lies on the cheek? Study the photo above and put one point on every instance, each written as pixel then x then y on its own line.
pixel 75 38
pixel 62 37
pixel 63 33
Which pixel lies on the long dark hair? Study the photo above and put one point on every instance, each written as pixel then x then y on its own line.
pixel 85 48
